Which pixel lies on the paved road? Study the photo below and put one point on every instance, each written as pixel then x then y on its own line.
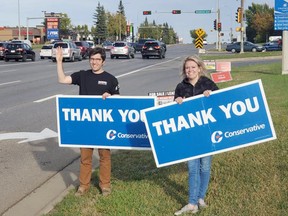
pixel 27 95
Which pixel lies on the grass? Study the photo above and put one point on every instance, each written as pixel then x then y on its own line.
pixel 247 181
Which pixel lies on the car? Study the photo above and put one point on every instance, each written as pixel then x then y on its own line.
pixel 107 45
pixel 3 46
pixel 22 41
pixel 84 47
pixel 247 47
pixel 70 51
pixel 153 49
pixel 19 51
pixel 205 42
pixel 91 44
pixel 138 46
pixel 122 49
pixel 46 51
pixel 272 46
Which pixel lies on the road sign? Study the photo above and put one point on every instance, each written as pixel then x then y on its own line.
pixel 202 11
pixel 199 39
pixel 228 119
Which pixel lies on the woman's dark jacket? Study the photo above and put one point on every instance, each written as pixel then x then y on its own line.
pixel 185 89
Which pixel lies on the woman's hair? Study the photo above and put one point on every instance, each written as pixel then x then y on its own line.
pixel 98 50
pixel 198 61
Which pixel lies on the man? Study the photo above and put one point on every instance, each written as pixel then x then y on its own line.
pixel 95 81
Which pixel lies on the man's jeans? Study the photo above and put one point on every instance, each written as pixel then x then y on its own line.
pixel 199 176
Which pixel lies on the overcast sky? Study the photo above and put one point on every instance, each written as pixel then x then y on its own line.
pixel 81 12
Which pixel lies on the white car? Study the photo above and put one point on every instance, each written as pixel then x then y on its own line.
pixel 46 51
pixel 205 42
pixel 70 51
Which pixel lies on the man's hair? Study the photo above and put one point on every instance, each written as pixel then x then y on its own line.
pixel 98 50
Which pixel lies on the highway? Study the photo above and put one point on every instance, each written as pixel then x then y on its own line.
pixel 27 107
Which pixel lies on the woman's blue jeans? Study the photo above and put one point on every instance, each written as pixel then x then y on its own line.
pixel 199 176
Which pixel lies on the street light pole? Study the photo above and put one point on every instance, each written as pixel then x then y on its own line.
pixel 242 27
pixel 19 29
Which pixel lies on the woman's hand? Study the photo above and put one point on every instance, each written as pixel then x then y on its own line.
pixel 207 93
pixel 179 100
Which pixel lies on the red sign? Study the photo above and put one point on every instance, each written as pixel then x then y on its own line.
pixel 222 76
pixel 223 66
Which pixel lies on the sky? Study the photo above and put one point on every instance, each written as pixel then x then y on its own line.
pixel 82 13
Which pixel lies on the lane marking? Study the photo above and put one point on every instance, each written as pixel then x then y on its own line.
pixel 122 75
pixel 141 69
pixel 8 83
pixel 45 99
pixel 7 71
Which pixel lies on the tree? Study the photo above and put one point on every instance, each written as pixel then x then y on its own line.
pixel 65 26
pixel 100 21
pixel 158 32
pixel 260 22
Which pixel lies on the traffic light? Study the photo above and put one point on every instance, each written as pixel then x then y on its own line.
pixel 239 15
pixel 215 24
pixel 219 26
pixel 176 11
pixel 146 12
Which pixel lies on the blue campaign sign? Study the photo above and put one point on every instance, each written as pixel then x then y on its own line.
pixel 91 122
pixel 228 119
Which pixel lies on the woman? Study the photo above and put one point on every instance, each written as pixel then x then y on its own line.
pixel 195 83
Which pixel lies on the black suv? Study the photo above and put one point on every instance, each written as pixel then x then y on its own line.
pixel 153 48
pixel 19 51
pixel 3 46
pixel 138 46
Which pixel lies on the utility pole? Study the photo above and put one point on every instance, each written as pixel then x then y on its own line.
pixel 242 27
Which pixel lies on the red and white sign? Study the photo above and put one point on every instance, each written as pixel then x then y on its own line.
pixel 223 66
pixel 221 76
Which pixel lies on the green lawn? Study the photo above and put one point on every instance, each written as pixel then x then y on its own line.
pixel 251 181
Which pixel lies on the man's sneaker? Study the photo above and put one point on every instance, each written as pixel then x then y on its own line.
pixel 187 208
pixel 81 191
pixel 106 191
pixel 202 204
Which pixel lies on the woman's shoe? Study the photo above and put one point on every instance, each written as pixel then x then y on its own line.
pixel 187 208
pixel 202 204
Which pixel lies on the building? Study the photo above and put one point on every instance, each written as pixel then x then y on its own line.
pixel 35 34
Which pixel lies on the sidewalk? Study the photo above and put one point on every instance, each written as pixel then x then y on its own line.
pixel 43 199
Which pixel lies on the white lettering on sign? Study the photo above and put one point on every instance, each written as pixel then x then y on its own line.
pixel 239 108
pixel 132 115
pixel 203 117
pixel 181 122
pixel 87 115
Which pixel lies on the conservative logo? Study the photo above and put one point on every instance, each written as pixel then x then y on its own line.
pixel 111 135
pixel 217 136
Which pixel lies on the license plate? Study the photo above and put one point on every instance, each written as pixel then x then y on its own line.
pixel 150 48
pixel 12 51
